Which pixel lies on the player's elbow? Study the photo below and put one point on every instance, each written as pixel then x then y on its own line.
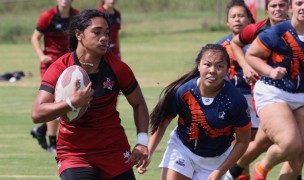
pixel 36 117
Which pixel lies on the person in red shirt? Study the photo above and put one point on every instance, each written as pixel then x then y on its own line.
pixel 94 146
pixel 108 6
pixel 51 26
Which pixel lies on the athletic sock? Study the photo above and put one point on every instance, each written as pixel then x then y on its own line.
pixel 236 171
pixel 42 128
pixel 261 170
pixel 52 140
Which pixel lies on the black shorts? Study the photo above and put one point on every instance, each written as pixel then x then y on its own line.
pixel 86 173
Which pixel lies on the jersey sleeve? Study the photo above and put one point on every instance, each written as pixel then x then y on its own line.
pixel 50 77
pixel 267 39
pixel 246 36
pixel 126 79
pixel 241 114
pixel 44 22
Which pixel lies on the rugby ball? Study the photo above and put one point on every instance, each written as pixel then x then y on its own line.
pixel 65 85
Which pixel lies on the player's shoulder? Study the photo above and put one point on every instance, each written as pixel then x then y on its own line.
pixel 225 40
pixel 233 92
pixel 74 11
pixel 117 11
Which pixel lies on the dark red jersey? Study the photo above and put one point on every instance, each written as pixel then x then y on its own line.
pixel 52 25
pixel 98 134
pixel 115 27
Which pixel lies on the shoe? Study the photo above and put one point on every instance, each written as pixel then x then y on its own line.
pixel 228 176
pixel 257 175
pixel 244 177
pixel 40 138
pixel 52 149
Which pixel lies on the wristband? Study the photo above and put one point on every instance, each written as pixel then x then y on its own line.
pixel 68 101
pixel 142 138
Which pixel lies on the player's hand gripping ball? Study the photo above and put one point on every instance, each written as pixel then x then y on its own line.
pixel 65 86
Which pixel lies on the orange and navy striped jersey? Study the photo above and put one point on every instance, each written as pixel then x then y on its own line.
pixel 235 72
pixel 207 130
pixel 286 50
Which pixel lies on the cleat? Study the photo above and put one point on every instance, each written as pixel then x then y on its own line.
pixel 244 177
pixel 40 138
pixel 52 149
pixel 228 176
pixel 256 174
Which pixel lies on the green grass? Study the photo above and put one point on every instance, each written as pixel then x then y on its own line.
pixel 158 51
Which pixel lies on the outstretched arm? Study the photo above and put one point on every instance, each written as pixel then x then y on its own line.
pixel 153 143
pixel 140 152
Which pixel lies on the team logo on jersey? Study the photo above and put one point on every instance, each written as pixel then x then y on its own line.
pixel 127 154
pixel 59 165
pixel 181 162
pixel 108 84
pixel 58 26
pixel 222 115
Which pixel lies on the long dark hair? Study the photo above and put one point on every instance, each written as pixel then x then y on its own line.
pixel 162 110
pixel 80 22
pixel 242 4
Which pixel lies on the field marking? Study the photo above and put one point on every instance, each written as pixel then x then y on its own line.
pixel 27 176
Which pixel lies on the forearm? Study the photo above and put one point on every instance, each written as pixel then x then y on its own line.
pixel 238 52
pixel 258 65
pixel 236 153
pixel 157 137
pixel 49 111
pixel 141 117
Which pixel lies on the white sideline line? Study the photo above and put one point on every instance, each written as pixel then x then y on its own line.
pixel 27 176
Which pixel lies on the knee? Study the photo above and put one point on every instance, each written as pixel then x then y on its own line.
pixel 292 149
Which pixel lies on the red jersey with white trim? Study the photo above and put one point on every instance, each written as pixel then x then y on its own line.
pixel 115 27
pixel 52 25
pixel 251 31
pixel 98 133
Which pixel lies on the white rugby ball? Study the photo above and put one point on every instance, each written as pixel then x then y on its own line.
pixel 65 86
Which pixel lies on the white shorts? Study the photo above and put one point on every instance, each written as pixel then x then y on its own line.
pixel 180 159
pixel 253 116
pixel 265 94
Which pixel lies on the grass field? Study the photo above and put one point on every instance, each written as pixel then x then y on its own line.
pixel 158 51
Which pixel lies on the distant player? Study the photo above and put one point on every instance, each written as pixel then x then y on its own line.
pixel 108 6
pixel 51 27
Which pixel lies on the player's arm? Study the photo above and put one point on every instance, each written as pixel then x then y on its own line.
pixel 237 49
pixel 141 117
pixel 153 143
pixel 255 55
pixel 242 142
pixel 35 40
pixel 45 109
